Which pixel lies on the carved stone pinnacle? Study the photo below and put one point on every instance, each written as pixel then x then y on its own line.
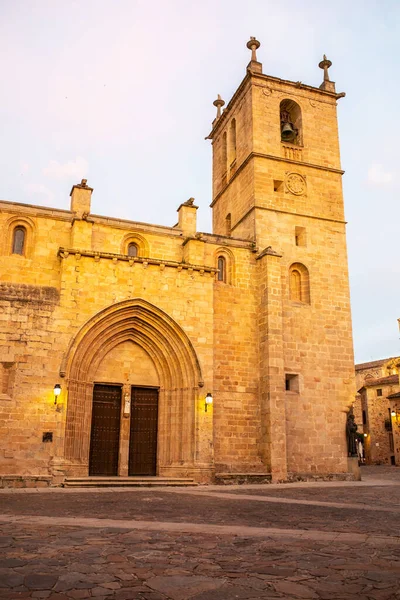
pixel 252 45
pixel 325 64
pixel 219 103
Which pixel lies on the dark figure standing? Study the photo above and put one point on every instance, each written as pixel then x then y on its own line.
pixel 351 429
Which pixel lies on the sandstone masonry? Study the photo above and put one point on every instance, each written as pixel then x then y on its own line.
pixel 143 321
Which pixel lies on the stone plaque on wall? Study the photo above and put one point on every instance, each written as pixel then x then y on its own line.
pixel 295 184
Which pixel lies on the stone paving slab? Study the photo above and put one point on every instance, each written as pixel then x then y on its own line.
pixel 273 532
pixel 155 545
pixel 386 503
pixel 374 497
pixel 121 564
pixel 189 507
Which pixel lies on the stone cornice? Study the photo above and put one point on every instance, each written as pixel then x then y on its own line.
pixel 35 210
pixel 220 240
pixel 59 214
pixel 63 253
pixel 268 252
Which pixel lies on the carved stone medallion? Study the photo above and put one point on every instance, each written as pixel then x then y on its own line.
pixel 295 184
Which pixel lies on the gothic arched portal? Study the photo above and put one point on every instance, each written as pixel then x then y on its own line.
pixel 177 367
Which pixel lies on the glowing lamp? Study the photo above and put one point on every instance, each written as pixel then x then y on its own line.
pixel 57 392
pixel 209 400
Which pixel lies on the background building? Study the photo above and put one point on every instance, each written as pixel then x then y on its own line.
pixel 135 324
pixel 377 386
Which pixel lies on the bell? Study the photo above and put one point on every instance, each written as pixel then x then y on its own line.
pixel 287 132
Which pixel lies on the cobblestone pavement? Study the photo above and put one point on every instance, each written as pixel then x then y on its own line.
pixel 204 543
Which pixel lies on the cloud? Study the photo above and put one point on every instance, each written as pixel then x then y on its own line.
pixel 377 175
pixel 46 195
pixel 73 169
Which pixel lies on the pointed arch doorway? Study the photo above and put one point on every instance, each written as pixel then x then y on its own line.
pixel 175 374
pixel 124 430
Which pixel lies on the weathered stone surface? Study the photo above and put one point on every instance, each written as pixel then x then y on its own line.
pixel 10 580
pixel 296 563
pixel 297 590
pixel 40 581
pixel 179 587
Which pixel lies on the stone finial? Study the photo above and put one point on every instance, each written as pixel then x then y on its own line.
pixel 219 103
pixel 252 45
pixel 327 85
pixel 254 66
pixel 325 64
pixel 82 185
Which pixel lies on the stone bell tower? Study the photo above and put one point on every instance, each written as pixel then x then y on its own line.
pixel 275 151
pixel 277 182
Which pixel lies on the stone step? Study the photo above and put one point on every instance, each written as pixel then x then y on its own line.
pixel 128 482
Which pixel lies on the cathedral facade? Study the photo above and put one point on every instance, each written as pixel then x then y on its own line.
pixel 133 349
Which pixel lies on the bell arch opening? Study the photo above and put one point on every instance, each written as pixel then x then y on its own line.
pixel 150 332
pixel 291 122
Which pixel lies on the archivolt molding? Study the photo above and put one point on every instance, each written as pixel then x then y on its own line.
pixel 30 228
pixel 230 262
pixel 141 322
pixel 139 240
pixel 175 361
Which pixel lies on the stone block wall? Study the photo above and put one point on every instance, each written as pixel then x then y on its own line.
pixel 271 338
pixel 288 198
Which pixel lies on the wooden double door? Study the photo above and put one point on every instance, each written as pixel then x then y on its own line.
pixel 106 431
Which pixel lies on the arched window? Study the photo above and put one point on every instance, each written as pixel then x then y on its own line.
pixel 134 245
pixel 228 223
pixel 291 122
pixel 225 264
pixel 224 154
pixel 299 284
pixel 295 285
pixel 221 275
pixel 232 142
pixel 18 241
pixel 132 250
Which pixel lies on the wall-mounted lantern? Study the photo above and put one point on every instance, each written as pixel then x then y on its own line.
pixel 57 392
pixel 209 400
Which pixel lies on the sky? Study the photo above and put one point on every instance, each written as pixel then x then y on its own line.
pixel 120 92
